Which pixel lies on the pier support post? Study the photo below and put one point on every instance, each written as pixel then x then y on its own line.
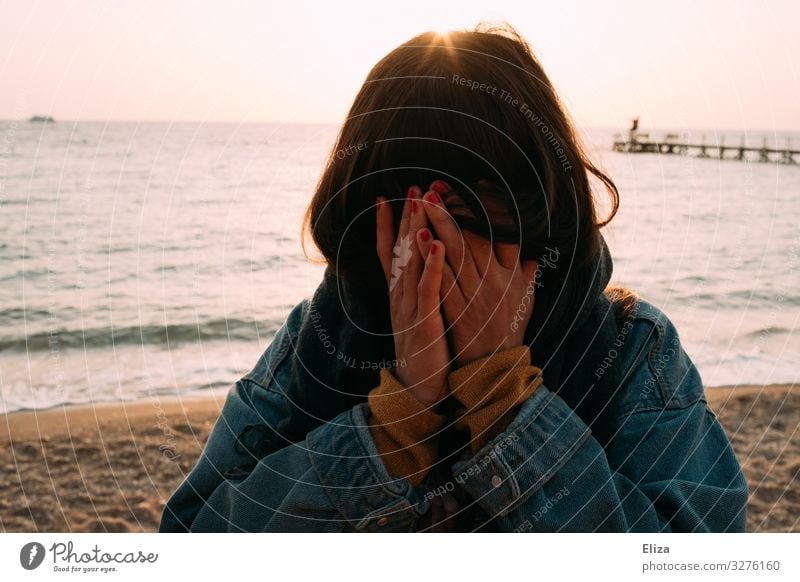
pixel 763 154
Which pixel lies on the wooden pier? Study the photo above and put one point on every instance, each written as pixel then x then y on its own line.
pixel 671 143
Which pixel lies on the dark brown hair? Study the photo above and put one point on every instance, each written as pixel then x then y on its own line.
pixel 475 109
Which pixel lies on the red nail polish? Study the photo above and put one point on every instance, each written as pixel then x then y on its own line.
pixel 414 206
pixel 434 246
pixel 410 193
pixel 425 235
pixel 440 186
pixel 433 197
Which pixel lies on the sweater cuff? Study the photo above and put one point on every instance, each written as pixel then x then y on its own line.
pixel 403 430
pixel 492 390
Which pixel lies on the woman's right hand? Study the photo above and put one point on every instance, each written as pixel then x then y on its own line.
pixel 414 298
pixel 488 291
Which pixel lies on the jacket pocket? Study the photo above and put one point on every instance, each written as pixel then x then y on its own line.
pixel 662 376
pixel 273 370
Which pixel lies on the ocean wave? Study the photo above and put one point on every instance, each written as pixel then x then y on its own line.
pixel 26 201
pixel 770 330
pixel 45 400
pixel 163 335
pixel 16 315
pixel 742 299
pixel 25 274
pixel 764 295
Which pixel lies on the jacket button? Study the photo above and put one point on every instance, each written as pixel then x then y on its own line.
pixel 496 481
pixel 383 521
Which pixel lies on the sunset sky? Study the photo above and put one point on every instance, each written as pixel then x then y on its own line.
pixel 687 64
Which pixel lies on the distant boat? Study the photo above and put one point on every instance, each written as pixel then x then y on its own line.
pixel 41 119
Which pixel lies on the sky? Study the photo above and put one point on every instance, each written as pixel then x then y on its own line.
pixel 688 64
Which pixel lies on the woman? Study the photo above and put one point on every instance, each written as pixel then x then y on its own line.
pixel 463 365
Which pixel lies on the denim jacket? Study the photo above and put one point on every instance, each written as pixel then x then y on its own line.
pixel 669 466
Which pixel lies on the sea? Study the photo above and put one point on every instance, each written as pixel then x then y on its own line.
pixel 149 259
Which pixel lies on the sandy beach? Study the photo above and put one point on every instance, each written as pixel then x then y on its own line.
pixel 111 467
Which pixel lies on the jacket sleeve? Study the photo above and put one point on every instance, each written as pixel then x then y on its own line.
pixel 332 481
pixel 668 467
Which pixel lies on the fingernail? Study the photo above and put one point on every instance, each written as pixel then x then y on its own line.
pixel 411 191
pixel 434 246
pixel 433 197
pixel 414 206
pixel 440 186
pixel 425 235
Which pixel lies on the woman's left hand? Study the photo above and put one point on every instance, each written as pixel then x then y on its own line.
pixel 487 292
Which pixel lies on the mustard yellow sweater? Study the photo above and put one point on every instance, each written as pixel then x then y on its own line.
pixel 491 390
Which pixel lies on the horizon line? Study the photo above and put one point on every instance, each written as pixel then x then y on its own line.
pixel 295 122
